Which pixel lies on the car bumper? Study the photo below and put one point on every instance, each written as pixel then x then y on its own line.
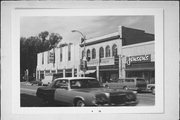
pixel 128 103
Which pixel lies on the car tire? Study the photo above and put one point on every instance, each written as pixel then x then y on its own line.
pixel 80 103
pixel 125 88
pixel 106 86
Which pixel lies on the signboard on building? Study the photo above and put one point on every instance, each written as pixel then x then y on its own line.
pixel 51 57
pixel 102 61
pixel 138 59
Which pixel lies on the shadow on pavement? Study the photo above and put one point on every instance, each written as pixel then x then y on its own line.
pixel 33 101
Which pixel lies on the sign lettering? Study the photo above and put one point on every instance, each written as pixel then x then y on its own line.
pixel 138 59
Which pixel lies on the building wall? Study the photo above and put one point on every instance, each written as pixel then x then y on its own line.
pixel 63 65
pixel 140 49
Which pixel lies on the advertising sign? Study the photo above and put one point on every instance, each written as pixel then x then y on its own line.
pixel 138 59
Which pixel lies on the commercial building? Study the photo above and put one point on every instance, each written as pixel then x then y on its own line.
pixel 62 60
pixel 125 53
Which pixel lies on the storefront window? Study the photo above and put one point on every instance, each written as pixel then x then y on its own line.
pixel 93 53
pixel 114 50
pixel 101 52
pixel 107 51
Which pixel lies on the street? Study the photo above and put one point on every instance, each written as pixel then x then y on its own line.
pixel 29 99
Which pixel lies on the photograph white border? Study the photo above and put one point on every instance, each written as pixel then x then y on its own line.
pixel 170 55
pixel 158 25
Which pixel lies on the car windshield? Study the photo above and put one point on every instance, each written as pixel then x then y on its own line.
pixel 84 83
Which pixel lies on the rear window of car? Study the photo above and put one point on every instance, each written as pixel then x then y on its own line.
pixel 129 80
pixel 140 80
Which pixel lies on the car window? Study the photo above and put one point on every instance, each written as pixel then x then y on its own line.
pixel 61 84
pixel 84 83
pixel 140 80
pixel 120 81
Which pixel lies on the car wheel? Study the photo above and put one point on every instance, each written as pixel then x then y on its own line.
pixel 106 86
pixel 80 103
pixel 125 88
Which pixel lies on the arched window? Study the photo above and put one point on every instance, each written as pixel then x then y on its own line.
pixel 114 50
pixel 101 52
pixel 93 53
pixel 88 55
pixel 107 51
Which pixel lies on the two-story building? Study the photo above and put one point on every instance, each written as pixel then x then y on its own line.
pixel 62 60
pixel 125 53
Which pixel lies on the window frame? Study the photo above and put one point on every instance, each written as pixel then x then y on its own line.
pixel 101 52
pixel 108 51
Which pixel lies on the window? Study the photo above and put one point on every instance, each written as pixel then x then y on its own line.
pixel 107 51
pixel 114 50
pixel 60 54
pixel 69 52
pixel 42 58
pixel 101 52
pixel 48 58
pixel 63 84
pixel 82 54
pixel 93 53
pixel 88 55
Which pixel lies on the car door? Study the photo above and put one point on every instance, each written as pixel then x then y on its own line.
pixel 62 92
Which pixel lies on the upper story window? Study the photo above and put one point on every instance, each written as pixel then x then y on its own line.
pixel 101 52
pixel 82 54
pixel 107 51
pixel 69 52
pixel 93 53
pixel 42 58
pixel 61 56
pixel 114 50
pixel 88 55
pixel 48 58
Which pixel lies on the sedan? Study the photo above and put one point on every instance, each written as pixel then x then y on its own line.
pixel 85 91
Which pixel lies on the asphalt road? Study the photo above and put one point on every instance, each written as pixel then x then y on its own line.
pixel 29 99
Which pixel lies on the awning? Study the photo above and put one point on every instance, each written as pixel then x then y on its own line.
pixel 87 72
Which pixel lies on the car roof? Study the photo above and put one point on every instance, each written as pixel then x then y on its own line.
pixel 74 78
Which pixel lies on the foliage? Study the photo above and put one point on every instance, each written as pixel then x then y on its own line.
pixel 29 47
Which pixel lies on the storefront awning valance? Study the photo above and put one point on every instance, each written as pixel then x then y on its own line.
pixel 88 71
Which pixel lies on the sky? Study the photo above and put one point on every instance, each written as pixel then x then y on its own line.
pixel 90 26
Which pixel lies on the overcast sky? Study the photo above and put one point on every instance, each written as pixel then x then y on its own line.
pixel 91 26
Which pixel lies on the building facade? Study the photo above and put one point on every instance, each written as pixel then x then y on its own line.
pixel 125 53
pixel 61 60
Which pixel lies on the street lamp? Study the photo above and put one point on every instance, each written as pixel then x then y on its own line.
pixel 84 51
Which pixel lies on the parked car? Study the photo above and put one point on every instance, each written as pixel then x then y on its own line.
pixel 48 79
pixel 37 82
pixel 151 88
pixel 134 83
pixel 84 91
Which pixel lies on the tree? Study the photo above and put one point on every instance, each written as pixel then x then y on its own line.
pixel 54 39
pixel 43 35
pixel 29 47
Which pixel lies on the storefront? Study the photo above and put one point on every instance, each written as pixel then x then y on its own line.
pixel 141 66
